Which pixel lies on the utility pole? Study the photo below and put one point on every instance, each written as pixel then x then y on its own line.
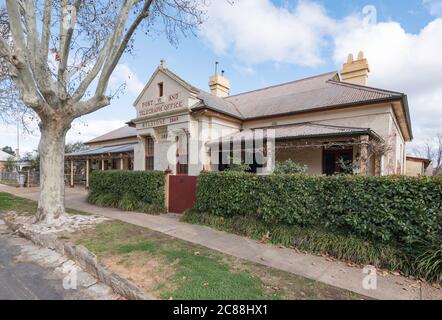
pixel 17 151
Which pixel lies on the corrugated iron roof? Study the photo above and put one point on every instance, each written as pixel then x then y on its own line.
pixel 121 133
pixel 218 104
pixel 297 131
pixel 317 92
pixel 104 150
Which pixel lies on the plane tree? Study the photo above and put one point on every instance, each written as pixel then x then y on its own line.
pixel 60 55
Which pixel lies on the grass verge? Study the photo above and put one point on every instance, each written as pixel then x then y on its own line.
pixel 22 206
pixel 169 268
pixel 10 183
pixel 349 248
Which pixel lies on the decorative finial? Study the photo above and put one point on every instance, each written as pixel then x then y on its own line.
pixel 350 58
pixel 222 73
pixel 361 55
pixel 162 63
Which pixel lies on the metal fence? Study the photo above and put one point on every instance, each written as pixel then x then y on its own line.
pixel 20 178
pixel 32 179
pixel 79 179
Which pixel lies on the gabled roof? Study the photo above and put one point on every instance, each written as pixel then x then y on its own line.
pixel 170 74
pixel 121 133
pixel 318 92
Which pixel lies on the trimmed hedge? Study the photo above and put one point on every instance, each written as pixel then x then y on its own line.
pixel 425 262
pixel 315 240
pixel 128 190
pixel 390 210
pixel 390 222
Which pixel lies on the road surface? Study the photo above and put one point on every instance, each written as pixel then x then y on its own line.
pixel 29 280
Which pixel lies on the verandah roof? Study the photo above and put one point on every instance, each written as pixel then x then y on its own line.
pixel 299 131
pixel 125 148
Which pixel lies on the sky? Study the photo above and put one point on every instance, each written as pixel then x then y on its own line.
pixel 265 42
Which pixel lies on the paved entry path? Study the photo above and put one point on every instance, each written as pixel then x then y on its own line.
pixel 310 266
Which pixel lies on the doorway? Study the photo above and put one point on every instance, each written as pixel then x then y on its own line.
pixel 332 160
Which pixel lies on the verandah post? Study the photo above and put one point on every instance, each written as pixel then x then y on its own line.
pixel 72 173
pixel 87 173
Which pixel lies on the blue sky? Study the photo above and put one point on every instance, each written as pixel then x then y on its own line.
pixel 266 42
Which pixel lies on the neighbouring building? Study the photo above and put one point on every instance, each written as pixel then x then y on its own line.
pixel 418 167
pixel 4 158
pixel 317 121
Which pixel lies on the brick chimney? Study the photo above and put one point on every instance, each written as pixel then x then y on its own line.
pixel 356 71
pixel 219 85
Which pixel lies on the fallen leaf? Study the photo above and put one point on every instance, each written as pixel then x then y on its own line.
pixel 265 237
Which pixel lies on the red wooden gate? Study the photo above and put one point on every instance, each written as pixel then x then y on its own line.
pixel 182 193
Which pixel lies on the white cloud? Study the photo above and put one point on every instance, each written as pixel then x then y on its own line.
pixel 80 131
pixel 401 61
pixel 434 6
pixel 123 74
pixel 88 130
pixel 259 31
pixel 244 70
pixel 8 137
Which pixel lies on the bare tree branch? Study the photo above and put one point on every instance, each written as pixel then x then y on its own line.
pixel 65 75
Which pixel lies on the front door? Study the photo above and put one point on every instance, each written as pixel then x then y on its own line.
pixel 332 160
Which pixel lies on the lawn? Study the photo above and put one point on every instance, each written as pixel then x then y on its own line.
pixel 9 202
pixel 11 183
pixel 168 268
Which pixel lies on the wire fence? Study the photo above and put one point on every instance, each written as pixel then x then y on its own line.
pixel 28 179
pixel 20 178
pixel 79 179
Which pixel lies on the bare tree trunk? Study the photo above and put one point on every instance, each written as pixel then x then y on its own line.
pixel 51 149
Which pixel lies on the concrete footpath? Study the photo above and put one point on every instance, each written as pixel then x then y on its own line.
pixel 310 266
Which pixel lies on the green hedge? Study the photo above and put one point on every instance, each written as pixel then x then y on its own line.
pixel 424 262
pixel 390 222
pixel 128 190
pixel 389 210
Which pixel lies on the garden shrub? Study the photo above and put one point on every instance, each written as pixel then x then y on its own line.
pixel 397 213
pixel 314 240
pixel 386 209
pixel 128 190
pixel 289 167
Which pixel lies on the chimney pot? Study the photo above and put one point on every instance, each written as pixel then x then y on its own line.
pixel 356 71
pixel 219 85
